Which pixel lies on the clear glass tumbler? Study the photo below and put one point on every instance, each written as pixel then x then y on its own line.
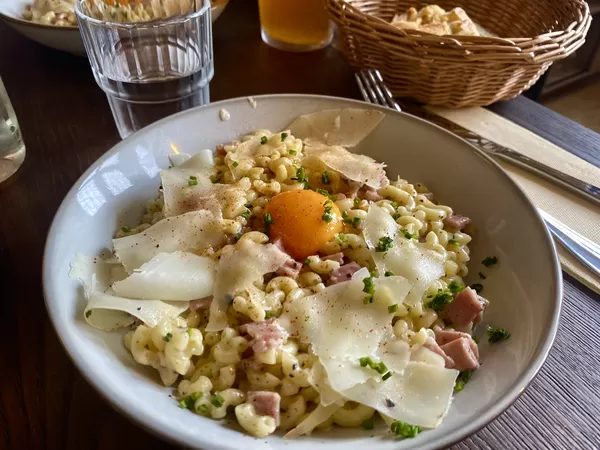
pixel 295 25
pixel 12 147
pixel 150 70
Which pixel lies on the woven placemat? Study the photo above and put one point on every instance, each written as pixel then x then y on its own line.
pixel 581 216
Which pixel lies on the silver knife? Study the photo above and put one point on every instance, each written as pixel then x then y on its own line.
pixel 585 190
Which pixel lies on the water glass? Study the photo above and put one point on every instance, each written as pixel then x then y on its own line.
pixel 295 25
pixel 150 70
pixel 12 147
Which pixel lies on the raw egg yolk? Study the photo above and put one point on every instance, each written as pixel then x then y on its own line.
pixel 304 221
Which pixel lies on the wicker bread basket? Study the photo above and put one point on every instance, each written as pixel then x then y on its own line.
pixel 457 71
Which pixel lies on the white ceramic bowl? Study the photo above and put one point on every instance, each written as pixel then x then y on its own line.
pixel 66 39
pixel 524 289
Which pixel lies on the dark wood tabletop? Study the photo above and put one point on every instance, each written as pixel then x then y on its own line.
pixel 67 125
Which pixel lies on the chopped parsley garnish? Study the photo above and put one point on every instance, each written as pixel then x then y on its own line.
pixel 388 274
pixel 264 140
pixel 369 287
pixel 453 242
pixel 300 175
pixel 482 276
pixel 88 314
pixel 341 238
pixel 357 202
pixel 393 308
pixel 168 337
pixel 189 332
pixel 189 401
pixel 455 287
pixel 217 401
pixel 496 334
pixel 193 181
pixel 268 222
pixel 246 215
pixel 202 409
pixel 385 243
pixel 352 221
pixel 404 430
pixel 408 235
pixel 477 287
pixel 369 299
pixel 235 164
pixel 463 378
pixel 367 424
pixel 292 152
pixel 377 367
pixel 440 300
pixel 323 192
pixel 283 136
pixel 325 178
pixel 395 205
pixel 125 229
pixel 307 261
pixel 386 376
pixel 268 315
pixel 216 179
pixel 489 261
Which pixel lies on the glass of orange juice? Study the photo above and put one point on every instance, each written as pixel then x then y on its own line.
pixel 295 25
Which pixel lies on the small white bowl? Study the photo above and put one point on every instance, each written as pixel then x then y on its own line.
pixel 524 288
pixel 66 39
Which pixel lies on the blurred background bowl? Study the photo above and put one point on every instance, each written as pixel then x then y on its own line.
pixel 66 39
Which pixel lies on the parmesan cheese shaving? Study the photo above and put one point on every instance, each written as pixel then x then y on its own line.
pixel 360 168
pixel 239 267
pixel 344 127
pixel 196 230
pixel 407 258
pixel 176 276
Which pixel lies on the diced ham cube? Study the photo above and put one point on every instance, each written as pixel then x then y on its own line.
pixel 201 303
pixel 465 307
pixel 344 273
pixel 435 348
pixel 457 222
pixel 266 335
pixel 444 336
pixel 291 268
pixel 337 257
pixel 220 150
pixel 265 403
pixel 461 351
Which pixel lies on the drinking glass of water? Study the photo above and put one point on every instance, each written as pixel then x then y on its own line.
pixel 149 69
pixel 12 148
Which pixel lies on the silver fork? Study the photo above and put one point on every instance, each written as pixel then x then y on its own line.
pixel 375 91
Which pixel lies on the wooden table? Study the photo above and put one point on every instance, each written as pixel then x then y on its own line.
pixel 67 124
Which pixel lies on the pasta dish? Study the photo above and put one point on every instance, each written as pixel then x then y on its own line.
pixel 288 281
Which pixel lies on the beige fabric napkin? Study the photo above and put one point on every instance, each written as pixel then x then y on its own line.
pixel 576 213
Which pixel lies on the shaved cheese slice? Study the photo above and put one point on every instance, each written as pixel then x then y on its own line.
pixel 314 419
pixel 108 312
pixel 197 230
pixel 337 322
pixel 201 162
pixel 345 127
pixel 421 395
pixel 318 380
pixel 359 168
pixel 406 258
pixel 239 267
pixel 176 276
pixel 246 150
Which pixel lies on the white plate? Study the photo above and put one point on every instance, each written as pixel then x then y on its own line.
pixel 66 39
pixel 524 288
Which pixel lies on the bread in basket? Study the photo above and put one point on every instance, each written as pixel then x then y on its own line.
pixel 457 71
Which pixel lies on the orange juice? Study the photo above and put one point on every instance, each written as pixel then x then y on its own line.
pixel 295 24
